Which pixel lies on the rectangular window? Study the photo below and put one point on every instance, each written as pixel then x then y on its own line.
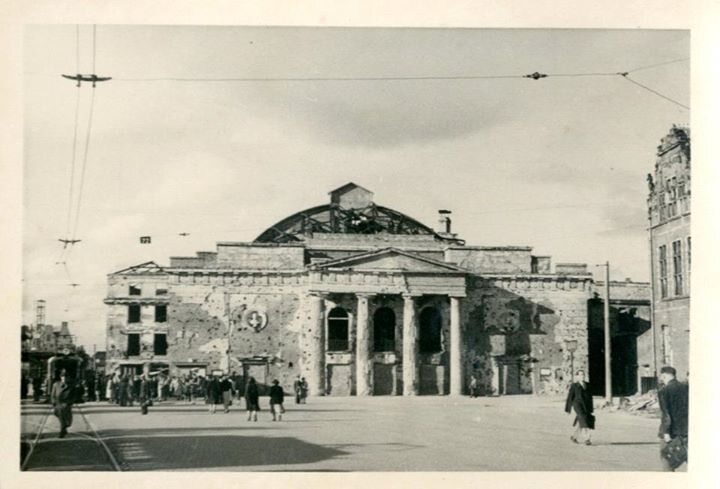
pixel 689 247
pixel 133 344
pixel 135 290
pixel 161 292
pixel 160 344
pixel 677 267
pixel 134 313
pixel 160 314
pixel 662 258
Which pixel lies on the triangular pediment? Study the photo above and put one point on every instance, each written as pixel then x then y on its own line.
pixel 149 267
pixel 390 259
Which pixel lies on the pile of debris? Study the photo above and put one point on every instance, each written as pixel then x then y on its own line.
pixel 642 404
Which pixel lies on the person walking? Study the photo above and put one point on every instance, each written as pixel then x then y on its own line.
pixel 580 400
pixel 297 387
pixel 304 389
pixel 37 388
pixel 673 433
pixel 473 386
pixel 62 396
pixel 145 394
pixel 212 394
pixel 226 390
pixel 277 397
pixel 252 399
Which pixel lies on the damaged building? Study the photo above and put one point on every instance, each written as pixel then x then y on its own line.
pixel 671 249
pixel 361 299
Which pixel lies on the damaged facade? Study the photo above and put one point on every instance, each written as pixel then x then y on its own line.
pixel 671 247
pixel 361 300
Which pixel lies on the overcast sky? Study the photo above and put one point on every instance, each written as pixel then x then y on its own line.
pixel 558 164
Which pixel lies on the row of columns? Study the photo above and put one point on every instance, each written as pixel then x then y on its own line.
pixel 313 347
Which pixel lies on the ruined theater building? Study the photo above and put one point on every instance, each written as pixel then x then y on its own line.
pixel 363 300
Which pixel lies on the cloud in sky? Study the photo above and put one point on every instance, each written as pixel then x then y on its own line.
pixel 557 163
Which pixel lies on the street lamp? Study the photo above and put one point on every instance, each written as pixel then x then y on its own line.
pixel 571 346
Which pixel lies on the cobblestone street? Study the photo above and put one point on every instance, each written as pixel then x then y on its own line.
pixel 514 433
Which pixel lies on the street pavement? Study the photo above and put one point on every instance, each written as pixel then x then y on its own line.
pixel 513 433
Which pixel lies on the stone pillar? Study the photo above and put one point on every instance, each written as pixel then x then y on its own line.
pixel 313 346
pixel 363 349
pixel 410 347
pixel 456 371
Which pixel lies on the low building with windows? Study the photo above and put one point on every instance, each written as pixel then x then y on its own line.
pixel 670 249
pixel 359 299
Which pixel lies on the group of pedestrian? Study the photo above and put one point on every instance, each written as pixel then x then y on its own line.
pixel 673 398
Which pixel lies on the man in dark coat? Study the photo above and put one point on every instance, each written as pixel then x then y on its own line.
pixel 226 390
pixel 37 388
pixel 144 394
pixel 277 397
pixel 673 400
pixel 580 400
pixel 252 399
pixel 62 396
pixel 212 393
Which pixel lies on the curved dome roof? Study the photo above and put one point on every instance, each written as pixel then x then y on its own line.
pixel 351 211
pixel 332 218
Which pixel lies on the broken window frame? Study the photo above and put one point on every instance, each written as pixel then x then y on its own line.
pixel 134 318
pixel 160 344
pixel 161 315
pixel 133 344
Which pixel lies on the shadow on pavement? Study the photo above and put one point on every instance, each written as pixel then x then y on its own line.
pixel 199 451
pixel 66 454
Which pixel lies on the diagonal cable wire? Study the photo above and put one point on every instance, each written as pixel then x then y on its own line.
pixel 72 162
pixel 84 164
pixel 647 67
pixel 645 87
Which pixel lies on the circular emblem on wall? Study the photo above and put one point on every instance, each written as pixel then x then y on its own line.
pixel 257 320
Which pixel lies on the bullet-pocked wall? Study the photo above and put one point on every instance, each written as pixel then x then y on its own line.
pixel 517 330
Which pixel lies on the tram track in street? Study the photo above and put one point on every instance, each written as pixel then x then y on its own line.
pixel 90 434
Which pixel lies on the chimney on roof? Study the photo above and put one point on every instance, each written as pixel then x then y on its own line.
pixel 445 221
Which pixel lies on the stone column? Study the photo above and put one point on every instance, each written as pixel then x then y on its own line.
pixel 410 347
pixel 312 341
pixel 363 359
pixel 456 371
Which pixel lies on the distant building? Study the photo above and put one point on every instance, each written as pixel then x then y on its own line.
pixel 671 249
pixel 361 300
pixel 42 341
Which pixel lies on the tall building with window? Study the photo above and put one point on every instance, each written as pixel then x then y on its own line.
pixel 361 299
pixel 670 249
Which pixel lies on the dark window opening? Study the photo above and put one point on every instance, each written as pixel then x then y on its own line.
pixel 662 251
pixel 160 344
pixel 135 290
pixel 677 267
pixel 338 329
pixel 161 292
pixel 160 314
pixel 384 329
pixel 430 330
pixel 134 313
pixel 133 344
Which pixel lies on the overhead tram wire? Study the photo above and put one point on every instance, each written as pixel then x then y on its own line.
pixel 71 185
pixel 651 90
pixel 533 76
pixel 87 146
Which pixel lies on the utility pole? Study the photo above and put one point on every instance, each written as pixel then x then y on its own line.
pixel 606 324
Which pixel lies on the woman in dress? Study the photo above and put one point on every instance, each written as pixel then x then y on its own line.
pixel 252 399
pixel 580 400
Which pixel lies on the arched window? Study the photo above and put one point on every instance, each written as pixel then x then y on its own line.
pixel 430 330
pixel 338 327
pixel 384 329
